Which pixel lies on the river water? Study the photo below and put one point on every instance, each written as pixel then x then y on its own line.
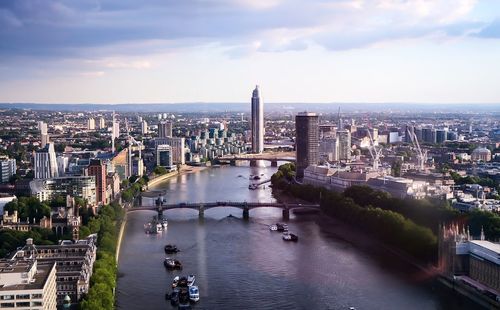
pixel 240 264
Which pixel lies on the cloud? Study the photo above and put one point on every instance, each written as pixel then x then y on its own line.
pixel 99 29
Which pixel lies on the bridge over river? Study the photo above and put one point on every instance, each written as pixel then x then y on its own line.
pixel 245 206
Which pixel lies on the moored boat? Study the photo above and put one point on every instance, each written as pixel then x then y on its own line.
pixel 194 293
pixel 171 248
pixel 190 280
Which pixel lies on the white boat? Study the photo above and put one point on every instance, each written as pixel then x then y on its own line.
pixel 273 227
pixel 164 223
pixel 159 227
pixel 194 293
pixel 174 283
pixel 190 280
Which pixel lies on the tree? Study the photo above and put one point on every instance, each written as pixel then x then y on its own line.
pixel 159 170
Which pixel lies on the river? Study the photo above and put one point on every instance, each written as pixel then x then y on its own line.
pixel 240 264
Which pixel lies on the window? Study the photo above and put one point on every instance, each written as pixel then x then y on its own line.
pixel 36 296
pixel 7 305
pixel 6 297
pixel 23 304
pixel 23 296
pixel 36 304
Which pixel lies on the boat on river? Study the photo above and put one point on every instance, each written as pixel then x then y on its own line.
pixel 290 237
pixel 194 293
pixel 171 263
pixel 190 280
pixel 171 249
pixel 278 227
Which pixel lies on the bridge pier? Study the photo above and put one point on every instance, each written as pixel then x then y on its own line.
pixel 274 163
pixel 160 213
pixel 201 212
pixel 286 214
pixel 246 213
pixel 253 163
pixel 232 162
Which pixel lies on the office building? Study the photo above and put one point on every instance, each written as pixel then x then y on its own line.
pixel 45 163
pixel 178 148
pixel 7 169
pixel 25 284
pixel 257 122
pixel 441 135
pixel 97 169
pixel 76 186
pixel 344 145
pixel 164 129
pixel 164 156
pixel 306 141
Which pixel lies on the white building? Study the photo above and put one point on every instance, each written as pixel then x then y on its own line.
pixel 45 164
pixel 144 127
pixel 344 145
pixel 91 124
pixel 178 148
pixel 257 122
pixel 25 285
pixel 7 169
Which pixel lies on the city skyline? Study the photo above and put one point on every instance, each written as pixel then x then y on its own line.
pixel 439 51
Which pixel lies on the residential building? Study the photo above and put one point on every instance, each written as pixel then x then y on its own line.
pixel 164 129
pixel 45 163
pixel 306 141
pixel 7 169
pixel 257 122
pixel 344 145
pixel 97 168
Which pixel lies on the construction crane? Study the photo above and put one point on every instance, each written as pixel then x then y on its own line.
pixel 421 155
pixel 374 152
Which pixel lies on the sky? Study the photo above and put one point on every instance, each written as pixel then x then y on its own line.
pixel 171 51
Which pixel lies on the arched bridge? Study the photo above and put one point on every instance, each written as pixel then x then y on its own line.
pixel 253 159
pixel 245 206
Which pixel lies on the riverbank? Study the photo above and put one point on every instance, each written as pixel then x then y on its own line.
pixel 184 170
pixel 120 237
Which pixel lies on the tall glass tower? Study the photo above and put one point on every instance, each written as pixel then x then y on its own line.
pixel 306 141
pixel 257 122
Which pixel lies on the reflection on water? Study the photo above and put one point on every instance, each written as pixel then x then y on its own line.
pixel 242 265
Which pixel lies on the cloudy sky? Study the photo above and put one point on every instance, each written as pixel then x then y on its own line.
pixel 155 51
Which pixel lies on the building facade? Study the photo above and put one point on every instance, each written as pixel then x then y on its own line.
pixel 7 169
pixel 76 186
pixel 24 284
pixel 164 129
pixel 97 168
pixel 306 141
pixel 45 163
pixel 164 156
pixel 257 122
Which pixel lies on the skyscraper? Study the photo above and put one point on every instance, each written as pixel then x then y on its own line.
pixel 306 141
pixel 144 127
pixel 257 122
pixel 164 129
pixel 344 145
pixel 97 169
pixel 45 164
pixel 44 135
pixel 91 123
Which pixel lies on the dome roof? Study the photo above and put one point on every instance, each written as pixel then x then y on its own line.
pixel 481 150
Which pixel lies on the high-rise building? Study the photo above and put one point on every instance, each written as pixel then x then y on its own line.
pixel 344 145
pixel 306 141
pixel 257 122
pixel 102 123
pixel 44 135
pixel 178 149
pixel 441 135
pixel 91 123
pixel 7 169
pixel 97 169
pixel 164 129
pixel 164 156
pixel 45 163
pixel 144 127
pixel 62 164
